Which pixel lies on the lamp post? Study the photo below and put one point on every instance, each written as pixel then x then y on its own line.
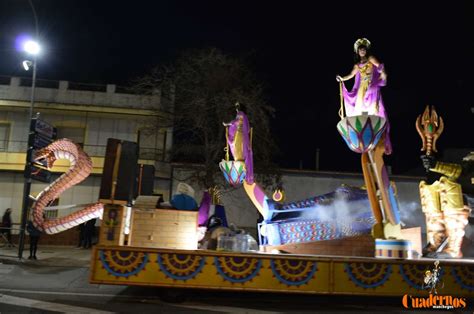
pixel 31 47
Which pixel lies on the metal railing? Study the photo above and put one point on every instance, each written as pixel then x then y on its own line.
pixel 54 84
pixel 27 81
pixel 146 153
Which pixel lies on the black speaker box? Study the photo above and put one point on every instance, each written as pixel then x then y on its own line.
pixel 120 171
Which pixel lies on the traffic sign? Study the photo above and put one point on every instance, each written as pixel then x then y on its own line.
pixel 40 141
pixel 41 135
pixel 42 127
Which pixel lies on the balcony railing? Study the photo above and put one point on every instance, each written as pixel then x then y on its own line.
pixel 92 150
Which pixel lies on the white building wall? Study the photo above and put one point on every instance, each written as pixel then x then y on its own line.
pixel 65 95
pixel 97 128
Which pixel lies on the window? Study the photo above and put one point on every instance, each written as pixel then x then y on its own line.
pixel 146 143
pixel 48 213
pixel 4 135
pixel 161 143
pixel 75 134
pixel 52 213
pixel 152 145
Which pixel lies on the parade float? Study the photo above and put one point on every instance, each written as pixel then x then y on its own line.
pixel 140 244
pixel 148 246
pixel 358 248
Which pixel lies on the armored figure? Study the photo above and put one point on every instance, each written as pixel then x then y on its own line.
pixel 445 206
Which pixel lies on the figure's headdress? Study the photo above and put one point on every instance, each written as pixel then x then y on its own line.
pixel 361 42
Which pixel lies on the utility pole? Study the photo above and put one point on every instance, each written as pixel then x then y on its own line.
pixel 29 149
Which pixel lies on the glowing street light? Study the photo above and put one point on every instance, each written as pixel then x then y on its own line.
pixel 31 47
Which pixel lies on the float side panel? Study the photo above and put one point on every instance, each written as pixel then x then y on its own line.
pixel 261 272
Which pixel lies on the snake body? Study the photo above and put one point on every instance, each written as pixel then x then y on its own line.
pixel 80 168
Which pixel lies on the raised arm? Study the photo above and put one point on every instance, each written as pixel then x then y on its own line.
pixel 349 76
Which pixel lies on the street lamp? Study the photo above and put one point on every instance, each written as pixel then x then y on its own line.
pixel 32 48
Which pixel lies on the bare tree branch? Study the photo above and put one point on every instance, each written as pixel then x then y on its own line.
pixel 206 85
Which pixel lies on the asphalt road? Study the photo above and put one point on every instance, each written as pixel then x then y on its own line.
pixel 40 288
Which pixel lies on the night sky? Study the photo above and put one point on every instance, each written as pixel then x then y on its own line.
pixel 298 48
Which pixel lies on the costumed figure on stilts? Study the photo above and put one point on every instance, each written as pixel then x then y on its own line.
pixel 365 128
pixel 239 140
pixel 445 207
pixel 365 97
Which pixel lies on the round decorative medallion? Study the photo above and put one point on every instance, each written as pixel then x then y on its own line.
pixel 464 276
pixel 123 263
pixel 237 269
pixel 181 266
pixel 293 272
pixel 368 275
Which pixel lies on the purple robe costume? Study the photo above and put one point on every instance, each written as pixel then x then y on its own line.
pixel 366 96
pixel 247 154
pixel 203 213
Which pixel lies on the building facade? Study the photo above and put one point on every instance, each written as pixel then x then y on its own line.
pixel 88 115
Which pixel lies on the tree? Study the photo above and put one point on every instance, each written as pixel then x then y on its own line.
pixel 205 86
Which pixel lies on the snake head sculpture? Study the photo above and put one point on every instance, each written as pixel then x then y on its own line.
pixel 429 126
pixel 45 157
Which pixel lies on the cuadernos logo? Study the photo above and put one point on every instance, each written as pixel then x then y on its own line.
pixel 445 302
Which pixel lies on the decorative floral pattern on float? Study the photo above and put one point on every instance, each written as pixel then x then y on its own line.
pixel 368 275
pixel 361 133
pixel 293 272
pixel 464 276
pixel 234 171
pixel 181 266
pixel 237 269
pixel 123 263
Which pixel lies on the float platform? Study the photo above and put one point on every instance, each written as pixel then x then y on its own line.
pixel 286 273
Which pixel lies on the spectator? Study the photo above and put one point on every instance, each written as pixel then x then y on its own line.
pixel 89 233
pixel 81 243
pixel 34 239
pixel 7 225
